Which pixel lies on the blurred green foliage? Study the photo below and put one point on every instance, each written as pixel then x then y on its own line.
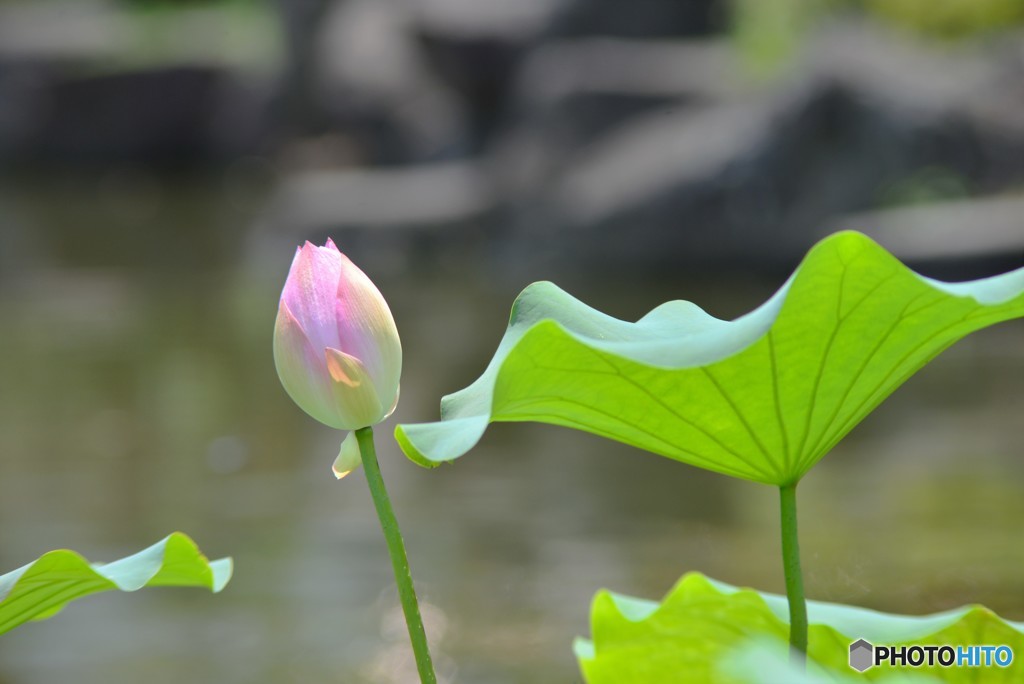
pixel 187 4
pixel 949 18
pixel 927 185
pixel 768 33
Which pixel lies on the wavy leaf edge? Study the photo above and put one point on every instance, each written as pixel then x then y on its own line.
pixel 42 588
pixel 543 308
pixel 852 622
pixel 840 616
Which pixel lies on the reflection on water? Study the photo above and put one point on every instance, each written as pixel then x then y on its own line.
pixel 138 396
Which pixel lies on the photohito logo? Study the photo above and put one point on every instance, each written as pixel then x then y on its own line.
pixel 864 655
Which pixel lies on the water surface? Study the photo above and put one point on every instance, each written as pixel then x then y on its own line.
pixel 138 396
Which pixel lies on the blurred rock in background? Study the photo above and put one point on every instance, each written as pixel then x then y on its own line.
pixel 554 133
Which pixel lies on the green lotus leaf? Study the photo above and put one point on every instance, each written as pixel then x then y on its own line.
pixel 762 397
pixel 765 661
pixel 43 587
pixel 701 625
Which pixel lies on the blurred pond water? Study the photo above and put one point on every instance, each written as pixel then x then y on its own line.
pixel 138 396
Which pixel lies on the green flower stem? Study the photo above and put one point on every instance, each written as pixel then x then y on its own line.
pixel 399 561
pixel 794 576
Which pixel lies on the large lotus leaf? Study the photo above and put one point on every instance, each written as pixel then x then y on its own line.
pixel 43 587
pixel 762 397
pixel 698 627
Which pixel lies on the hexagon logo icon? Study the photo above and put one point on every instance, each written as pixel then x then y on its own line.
pixel 861 655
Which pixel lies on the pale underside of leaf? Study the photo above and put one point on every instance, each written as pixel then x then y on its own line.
pixel 42 588
pixel 762 397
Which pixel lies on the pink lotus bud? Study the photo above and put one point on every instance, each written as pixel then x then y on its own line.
pixel 336 346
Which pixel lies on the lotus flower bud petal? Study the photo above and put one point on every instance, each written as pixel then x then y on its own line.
pixel 354 393
pixel 349 457
pixel 299 368
pixel 336 346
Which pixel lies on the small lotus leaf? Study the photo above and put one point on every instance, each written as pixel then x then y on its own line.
pixel 44 586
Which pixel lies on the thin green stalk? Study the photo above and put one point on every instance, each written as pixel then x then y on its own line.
pixel 399 561
pixel 794 576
